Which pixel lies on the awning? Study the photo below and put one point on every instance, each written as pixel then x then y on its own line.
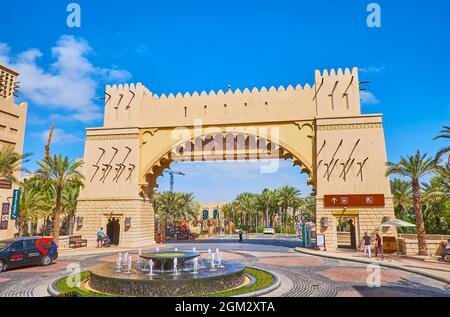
pixel 397 223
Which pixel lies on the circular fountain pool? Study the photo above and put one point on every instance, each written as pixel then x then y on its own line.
pixel 190 276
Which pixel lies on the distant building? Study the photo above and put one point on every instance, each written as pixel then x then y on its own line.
pixel 12 132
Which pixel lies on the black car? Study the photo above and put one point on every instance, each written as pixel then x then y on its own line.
pixel 29 251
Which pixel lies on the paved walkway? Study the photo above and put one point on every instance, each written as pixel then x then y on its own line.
pixel 431 268
pixel 300 274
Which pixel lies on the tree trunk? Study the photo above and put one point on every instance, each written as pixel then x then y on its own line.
pixel 21 226
pixel 71 223
pixel 57 216
pixel 420 226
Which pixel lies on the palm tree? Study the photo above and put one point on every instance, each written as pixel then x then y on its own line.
pixel 176 206
pixel 30 204
pixel 60 173
pixel 445 134
pixel 247 204
pixel 401 190
pixel 70 201
pixel 415 167
pixel 10 163
pixel 266 201
pixel 287 195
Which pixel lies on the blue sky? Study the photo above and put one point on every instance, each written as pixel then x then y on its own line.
pixel 183 46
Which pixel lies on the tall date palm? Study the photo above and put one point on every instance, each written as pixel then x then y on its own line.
pixel 415 167
pixel 60 173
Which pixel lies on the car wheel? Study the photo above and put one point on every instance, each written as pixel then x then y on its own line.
pixel 46 260
pixel 2 266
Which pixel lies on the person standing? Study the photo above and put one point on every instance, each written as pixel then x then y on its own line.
pixel 367 244
pixel 100 235
pixel 379 246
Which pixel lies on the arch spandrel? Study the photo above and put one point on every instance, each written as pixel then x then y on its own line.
pixel 295 141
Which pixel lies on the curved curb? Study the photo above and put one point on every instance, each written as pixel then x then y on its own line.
pixel 392 266
pixel 52 290
pixel 274 286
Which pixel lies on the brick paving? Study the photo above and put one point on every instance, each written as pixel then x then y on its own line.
pixel 300 275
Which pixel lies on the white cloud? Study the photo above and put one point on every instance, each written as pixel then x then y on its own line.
pixel 368 98
pixel 372 69
pixel 68 87
pixel 59 137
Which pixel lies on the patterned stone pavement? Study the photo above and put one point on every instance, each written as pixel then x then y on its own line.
pixel 300 275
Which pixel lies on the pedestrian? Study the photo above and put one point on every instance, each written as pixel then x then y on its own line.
pixel 100 235
pixel 379 246
pixel 367 242
pixel 240 234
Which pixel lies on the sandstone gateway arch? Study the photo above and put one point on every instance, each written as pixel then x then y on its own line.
pixel 319 127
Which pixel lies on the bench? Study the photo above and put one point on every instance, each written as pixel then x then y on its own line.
pixel 76 242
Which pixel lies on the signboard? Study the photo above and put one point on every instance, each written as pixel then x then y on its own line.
pixel 389 244
pixel 15 204
pixel 361 201
pixel 343 213
pixel 4 184
pixel 305 232
pixel 320 240
pixel 4 216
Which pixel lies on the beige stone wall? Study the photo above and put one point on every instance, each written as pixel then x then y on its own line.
pixel 368 220
pixel 411 247
pixel 12 132
pixel 96 213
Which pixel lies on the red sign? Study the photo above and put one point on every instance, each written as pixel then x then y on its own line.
pixel 4 184
pixel 362 201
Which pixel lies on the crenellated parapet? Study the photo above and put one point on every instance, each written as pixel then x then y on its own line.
pixel 333 93
pixel 337 93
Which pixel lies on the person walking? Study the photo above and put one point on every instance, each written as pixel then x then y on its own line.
pixel 367 244
pixel 100 235
pixel 379 246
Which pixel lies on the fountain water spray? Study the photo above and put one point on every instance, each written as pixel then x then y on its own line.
pixel 195 266
pixel 129 264
pixel 194 249
pixel 209 255
pixel 175 266
pixel 119 263
pixel 157 249
pixel 125 259
pixel 219 260
pixel 150 267
pixel 213 264
pixel 176 249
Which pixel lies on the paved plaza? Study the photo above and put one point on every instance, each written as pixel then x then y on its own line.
pixel 301 275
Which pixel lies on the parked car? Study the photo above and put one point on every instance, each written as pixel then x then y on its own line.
pixel 28 251
pixel 269 230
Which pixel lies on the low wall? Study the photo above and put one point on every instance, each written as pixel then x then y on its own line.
pixel 439 237
pixel 410 247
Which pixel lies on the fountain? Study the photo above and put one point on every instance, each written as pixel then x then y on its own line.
pixel 170 273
